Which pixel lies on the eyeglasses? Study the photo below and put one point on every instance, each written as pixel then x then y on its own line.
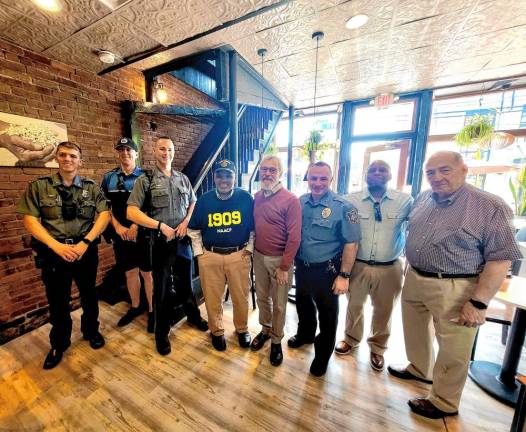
pixel 377 212
pixel 271 170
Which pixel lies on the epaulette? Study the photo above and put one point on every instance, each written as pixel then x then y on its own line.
pixel 339 198
pixel 87 180
pixel 46 177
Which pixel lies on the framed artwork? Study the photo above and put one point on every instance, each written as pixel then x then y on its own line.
pixel 26 141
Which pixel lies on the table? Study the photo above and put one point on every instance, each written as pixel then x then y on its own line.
pixel 499 380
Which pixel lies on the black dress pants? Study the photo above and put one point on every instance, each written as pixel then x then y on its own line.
pixel 314 294
pixel 171 271
pixel 57 276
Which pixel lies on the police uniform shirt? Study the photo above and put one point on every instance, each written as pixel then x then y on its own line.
pixel 117 186
pixel 326 227
pixel 42 200
pixel 224 223
pixel 170 196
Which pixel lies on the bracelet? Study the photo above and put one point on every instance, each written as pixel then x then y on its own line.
pixel 478 304
pixel 159 226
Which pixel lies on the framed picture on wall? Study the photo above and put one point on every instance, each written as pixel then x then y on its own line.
pixel 26 141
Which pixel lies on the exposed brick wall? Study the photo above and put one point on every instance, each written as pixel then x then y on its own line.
pixel 36 86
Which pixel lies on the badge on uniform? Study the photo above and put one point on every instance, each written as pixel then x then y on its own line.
pixel 353 216
pixel 223 163
pixel 85 193
pixel 326 212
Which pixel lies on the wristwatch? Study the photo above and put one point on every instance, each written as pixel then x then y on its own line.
pixel 345 275
pixel 478 304
pixel 85 240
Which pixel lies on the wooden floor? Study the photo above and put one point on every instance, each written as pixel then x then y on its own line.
pixel 127 386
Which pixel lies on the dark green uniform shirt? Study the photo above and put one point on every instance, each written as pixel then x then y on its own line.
pixel 42 200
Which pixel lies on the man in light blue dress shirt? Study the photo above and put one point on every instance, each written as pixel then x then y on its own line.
pixel 377 271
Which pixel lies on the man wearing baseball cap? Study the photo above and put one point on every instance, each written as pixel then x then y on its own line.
pixel 222 233
pixel 130 256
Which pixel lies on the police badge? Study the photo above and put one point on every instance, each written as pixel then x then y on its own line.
pixel 326 213
pixel 353 216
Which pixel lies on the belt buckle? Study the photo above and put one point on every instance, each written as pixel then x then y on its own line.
pixel 371 262
pixel 439 274
pixel 69 241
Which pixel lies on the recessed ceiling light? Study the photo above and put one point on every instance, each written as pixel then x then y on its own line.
pixel 356 21
pixel 49 5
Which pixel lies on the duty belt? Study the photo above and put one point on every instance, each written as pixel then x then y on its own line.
pixel 225 250
pixel 444 275
pixel 69 240
pixel 377 263
pixel 333 260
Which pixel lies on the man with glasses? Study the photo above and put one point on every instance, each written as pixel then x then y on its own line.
pixel 377 272
pixel 277 216
pixel 164 202
pixel 223 240
pixel 330 232
pixel 60 212
pixel 460 245
pixel 131 256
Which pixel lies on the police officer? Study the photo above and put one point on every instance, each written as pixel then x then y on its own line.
pixel 329 241
pixel 130 254
pixel 60 213
pixel 222 235
pixel 164 202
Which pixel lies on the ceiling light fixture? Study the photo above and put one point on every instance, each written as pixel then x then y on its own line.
pixel 318 36
pixel 49 5
pixel 356 21
pixel 160 92
pixel 262 52
pixel 106 56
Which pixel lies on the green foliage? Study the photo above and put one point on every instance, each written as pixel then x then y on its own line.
pixel 313 140
pixel 518 191
pixel 272 149
pixel 478 132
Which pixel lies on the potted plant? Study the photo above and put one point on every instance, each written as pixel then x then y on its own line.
pixel 312 144
pixel 478 132
pixel 518 191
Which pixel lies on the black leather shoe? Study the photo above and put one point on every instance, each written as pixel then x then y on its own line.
pixel 276 355
pixel 259 341
pixel 96 341
pixel 199 324
pixel 129 316
pixel 403 373
pixel 244 339
pixel 219 342
pixel 296 342
pixel 53 358
pixel 163 345
pixel 425 408
pixel 318 368
pixel 151 322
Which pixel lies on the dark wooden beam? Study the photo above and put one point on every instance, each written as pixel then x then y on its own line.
pixel 166 109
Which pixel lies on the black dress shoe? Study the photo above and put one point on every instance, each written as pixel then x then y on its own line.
pixel 403 373
pixel 128 317
pixel 259 341
pixel 425 408
pixel 296 342
pixel 219 342
pixel 163 345
pixel 318 368
pixel 199 324
pixel 96 341
pixel 276 355
pixel 244 339
pixel 53 358
pixel 151 322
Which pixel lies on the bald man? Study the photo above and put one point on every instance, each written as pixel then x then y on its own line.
pixel 460 245
pixel 377 272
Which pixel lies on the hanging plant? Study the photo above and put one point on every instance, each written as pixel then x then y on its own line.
pixel 478 132
pixel 312 144
pixel 518 191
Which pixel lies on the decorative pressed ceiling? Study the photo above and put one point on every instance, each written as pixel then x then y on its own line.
pixel 405 45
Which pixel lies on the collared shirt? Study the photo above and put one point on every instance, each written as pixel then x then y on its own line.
pixel 326 227
pixel 117 186
pixel 382 240
pixel 169 197
pixel 461 233
pixel 272 191
pixel 42 199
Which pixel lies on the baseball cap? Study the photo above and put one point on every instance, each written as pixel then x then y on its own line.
pixel 126 142
pixel 225 165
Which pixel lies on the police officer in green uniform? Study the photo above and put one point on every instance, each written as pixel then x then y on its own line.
pixel 330 235
pixel 164 202
pixel 60 212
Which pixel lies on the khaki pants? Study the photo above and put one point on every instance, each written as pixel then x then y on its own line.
pixel 272 298
pixel 383 284
pixel 428 305
pixel 216 271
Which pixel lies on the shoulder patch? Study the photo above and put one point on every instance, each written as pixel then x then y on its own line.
pixel 353 216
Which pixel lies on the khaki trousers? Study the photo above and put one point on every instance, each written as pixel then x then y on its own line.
pixel 272 298
pixel 383 284
pixel 216 271
pixel 428 305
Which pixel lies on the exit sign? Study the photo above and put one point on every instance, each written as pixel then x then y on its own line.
pixel 383 100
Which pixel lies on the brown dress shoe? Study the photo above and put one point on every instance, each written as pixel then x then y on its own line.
pixel 343 348
pixel 377 361
pixel 425 408
pixel 402 373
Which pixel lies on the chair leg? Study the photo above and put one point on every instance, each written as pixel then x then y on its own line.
pixel 520 411
pixel 504 335
pixel 474 345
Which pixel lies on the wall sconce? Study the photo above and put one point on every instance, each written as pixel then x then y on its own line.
pixel 160 92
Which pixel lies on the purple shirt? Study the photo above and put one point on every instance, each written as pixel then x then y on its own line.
pixel 461 233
